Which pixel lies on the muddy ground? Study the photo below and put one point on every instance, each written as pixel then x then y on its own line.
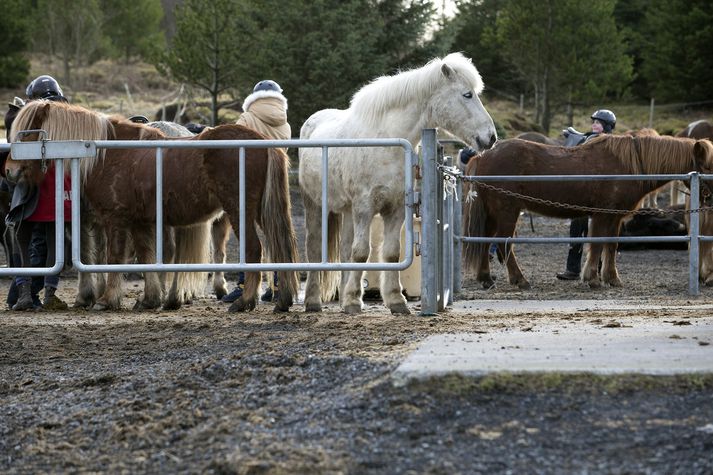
pixel 201 390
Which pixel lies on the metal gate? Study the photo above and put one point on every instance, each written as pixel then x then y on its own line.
pixel 75 151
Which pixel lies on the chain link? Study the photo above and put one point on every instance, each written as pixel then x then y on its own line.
pixel 458 175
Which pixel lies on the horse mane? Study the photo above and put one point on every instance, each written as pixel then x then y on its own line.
pixel 385 93
pixel 648 154
pixel 64 121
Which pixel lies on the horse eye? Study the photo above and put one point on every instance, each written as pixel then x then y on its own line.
pixel 468 95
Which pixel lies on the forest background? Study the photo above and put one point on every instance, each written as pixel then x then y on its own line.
pixel 546 64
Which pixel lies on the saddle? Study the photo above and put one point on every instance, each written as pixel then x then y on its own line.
pixel 573 137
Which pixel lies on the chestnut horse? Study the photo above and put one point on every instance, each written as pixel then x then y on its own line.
pixel 493 213
pixel 702 129
pixel 120 186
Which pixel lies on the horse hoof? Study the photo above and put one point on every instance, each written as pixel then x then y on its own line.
pixel 488 284
pixel 220 293
pixel 616 283
pixel 82 305
pixel 172 304
pixel 313 307
pixel 241 305
pixel 595 284
pixel 352 309
pixel 399 309
pixel 280 308
pixel 524 285
pixel 144 305
pixel 101 306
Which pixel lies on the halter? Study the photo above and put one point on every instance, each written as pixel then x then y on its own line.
pixel 42 138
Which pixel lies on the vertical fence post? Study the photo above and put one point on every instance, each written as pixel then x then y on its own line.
pixel 447 291
pixel 457 242
pixel 693 231
pixel 429 231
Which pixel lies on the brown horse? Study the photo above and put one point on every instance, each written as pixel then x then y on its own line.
pixel 120 186
pixel 495 214
pixel 702 129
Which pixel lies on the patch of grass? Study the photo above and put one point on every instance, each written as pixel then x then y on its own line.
pixel 462 385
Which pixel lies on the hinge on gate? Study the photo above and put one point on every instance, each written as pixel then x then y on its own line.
pixel 417 204
pixel 417 243
pixel 417 173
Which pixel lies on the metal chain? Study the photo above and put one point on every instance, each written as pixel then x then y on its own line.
pixel 457 174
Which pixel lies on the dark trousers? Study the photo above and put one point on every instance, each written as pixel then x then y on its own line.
pixel 577 228
pixel 37 243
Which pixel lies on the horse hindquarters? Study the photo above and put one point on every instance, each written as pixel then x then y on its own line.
pixel 276 223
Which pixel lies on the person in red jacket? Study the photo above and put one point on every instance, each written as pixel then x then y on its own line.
pixel 32 217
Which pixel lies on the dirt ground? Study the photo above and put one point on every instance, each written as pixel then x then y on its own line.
pixel 201 390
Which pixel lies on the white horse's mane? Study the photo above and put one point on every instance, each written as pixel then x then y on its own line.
pixel 390 92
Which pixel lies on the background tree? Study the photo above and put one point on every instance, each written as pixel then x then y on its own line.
pixel 677 49
pixel 70 29
pixel 207 51
pixel 322 51
pixel 133 26
pixel 14 40
pixel 568 50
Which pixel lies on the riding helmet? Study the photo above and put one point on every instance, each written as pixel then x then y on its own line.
pixel 139 119
pixel 267 85
pixel 607 118
pixel 44 87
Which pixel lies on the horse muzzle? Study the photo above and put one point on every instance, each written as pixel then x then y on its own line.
pixel 13 175
pixel 486 143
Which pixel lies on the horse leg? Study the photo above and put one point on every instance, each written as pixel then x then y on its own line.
pixel 313 237
pixel 482 271
pixel 253 253
pixel 506 228
pixel 146 254
pixel 610 275
pixel 92 251
pixel 590 272
pixel 169 255
pixel 352 298
pixel 221 235
pixel 345 250
pixel 391 251
pixel 116 254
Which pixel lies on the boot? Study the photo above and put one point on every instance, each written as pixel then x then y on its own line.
pixel 24 301
pixel 52 302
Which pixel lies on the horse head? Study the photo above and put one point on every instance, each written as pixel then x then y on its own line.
pixel 26 128
pixel 456 104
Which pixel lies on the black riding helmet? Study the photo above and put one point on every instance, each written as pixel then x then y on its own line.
pixel 44 87
pixel 607 118
pixel 267 85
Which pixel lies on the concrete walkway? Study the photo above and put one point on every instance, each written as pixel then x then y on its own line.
pixel 661 346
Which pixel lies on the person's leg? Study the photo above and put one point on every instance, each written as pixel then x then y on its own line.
pixel 51 282
pixel 577 228
pixel 237 292
pixel 38 258
pixel 22 259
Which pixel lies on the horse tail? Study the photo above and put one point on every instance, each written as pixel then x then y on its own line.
pixel 192 247
pixel 474 216
pixel 276 217
pixel 330 279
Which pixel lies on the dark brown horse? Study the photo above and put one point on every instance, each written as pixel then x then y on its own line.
pixel 493 213
pixel 120 186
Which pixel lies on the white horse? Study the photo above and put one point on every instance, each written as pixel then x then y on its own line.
pixel 365 181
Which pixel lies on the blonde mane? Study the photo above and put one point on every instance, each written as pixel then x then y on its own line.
pixel 647 154
pixel 64 122
pixel 386 93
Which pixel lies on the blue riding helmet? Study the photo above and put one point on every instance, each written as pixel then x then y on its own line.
pixel 267 85
pixel 44 87
pixel 607 118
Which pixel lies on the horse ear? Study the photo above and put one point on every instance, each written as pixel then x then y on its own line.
pixel 447 70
